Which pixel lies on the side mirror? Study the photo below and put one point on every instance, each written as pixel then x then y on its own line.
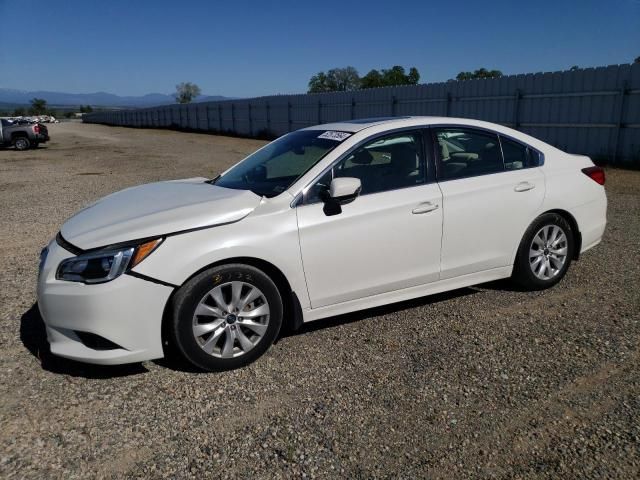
pixel 345 189
pixel 341 191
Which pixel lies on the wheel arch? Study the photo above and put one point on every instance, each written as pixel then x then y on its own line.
pixel 575 229
pixel 292 310
pixel 577 236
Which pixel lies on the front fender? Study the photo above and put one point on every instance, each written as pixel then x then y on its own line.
pixel 272 238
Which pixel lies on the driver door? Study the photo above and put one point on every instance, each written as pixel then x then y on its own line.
pixel 388 238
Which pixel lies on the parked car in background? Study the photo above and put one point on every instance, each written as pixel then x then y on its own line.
pixel 22 135
pixel 21 121
pixel 322 221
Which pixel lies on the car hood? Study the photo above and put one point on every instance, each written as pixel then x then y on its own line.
pixel 157 209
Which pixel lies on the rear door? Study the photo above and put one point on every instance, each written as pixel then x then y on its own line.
pixel 386 239
pixel 489 198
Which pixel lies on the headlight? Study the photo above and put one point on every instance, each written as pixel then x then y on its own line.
pixel 105 264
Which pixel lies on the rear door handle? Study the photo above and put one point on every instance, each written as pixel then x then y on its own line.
pixel 524 186
pixel 425 207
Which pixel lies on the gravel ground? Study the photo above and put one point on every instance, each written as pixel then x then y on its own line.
pixel 482 382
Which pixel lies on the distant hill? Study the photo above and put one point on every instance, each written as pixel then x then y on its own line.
pixel 98 99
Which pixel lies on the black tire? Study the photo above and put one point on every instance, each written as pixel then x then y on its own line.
pixel 194 291
pixel 21 143
pixel 523 271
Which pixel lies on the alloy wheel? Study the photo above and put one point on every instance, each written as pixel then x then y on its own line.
pixel 548 252
pixel 231 319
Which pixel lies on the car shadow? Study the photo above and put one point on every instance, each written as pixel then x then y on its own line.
pixel 377 311
pixel 174 361
pixel 34 337
pixel 503 285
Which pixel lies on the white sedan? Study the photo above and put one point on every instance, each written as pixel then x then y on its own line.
pixel 322 221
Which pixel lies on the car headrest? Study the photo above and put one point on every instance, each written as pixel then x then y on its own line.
pixel 362 157
pixel 444 150
pixel 403 158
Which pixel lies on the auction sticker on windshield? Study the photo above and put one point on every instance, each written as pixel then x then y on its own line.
pixel 332 135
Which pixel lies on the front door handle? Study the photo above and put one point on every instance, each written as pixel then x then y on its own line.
pixel 524 186
pixel 425 207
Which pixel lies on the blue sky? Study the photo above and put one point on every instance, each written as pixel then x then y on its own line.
pixel 242 48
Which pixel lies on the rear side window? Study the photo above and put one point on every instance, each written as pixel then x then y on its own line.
pixel 517 155
pixel 467 153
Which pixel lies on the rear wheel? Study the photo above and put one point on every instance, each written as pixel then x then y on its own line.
pixel 545 252
pixel 22 143
pixel 226 317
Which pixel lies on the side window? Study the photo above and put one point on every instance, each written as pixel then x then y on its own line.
pixel 386 163
pixel 467 153
pixel 516 155
pixel 535 158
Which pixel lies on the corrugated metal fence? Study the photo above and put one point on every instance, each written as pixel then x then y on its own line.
pixel 594 111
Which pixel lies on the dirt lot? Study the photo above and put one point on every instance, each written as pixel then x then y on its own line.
pixel 483 381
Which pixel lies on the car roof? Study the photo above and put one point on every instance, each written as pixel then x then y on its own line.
pixel 357 125
pixel 381 124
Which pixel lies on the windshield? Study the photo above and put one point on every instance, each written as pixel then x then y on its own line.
pixel 274 168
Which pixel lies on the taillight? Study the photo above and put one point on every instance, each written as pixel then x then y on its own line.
pixel 595 173
pixel 36 128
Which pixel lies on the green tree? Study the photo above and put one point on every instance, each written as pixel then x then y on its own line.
pixel 318 83
pixel 343 79
pixel 414 76
pixel 87 109
pixel 372 79
pixel 335 80
pixel 480 73
pixel 19 112
pixel 186 91
pixel 347 79
pixel 394 76
pixel 38 106
pixel 389 77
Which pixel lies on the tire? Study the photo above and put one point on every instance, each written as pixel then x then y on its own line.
pixel 204 338
pixel 22 143
pixel 545 253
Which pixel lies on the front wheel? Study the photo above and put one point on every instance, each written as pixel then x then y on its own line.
pixel 226 317
pixel 545 252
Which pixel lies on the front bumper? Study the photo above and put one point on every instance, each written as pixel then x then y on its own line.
pixel 126 312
